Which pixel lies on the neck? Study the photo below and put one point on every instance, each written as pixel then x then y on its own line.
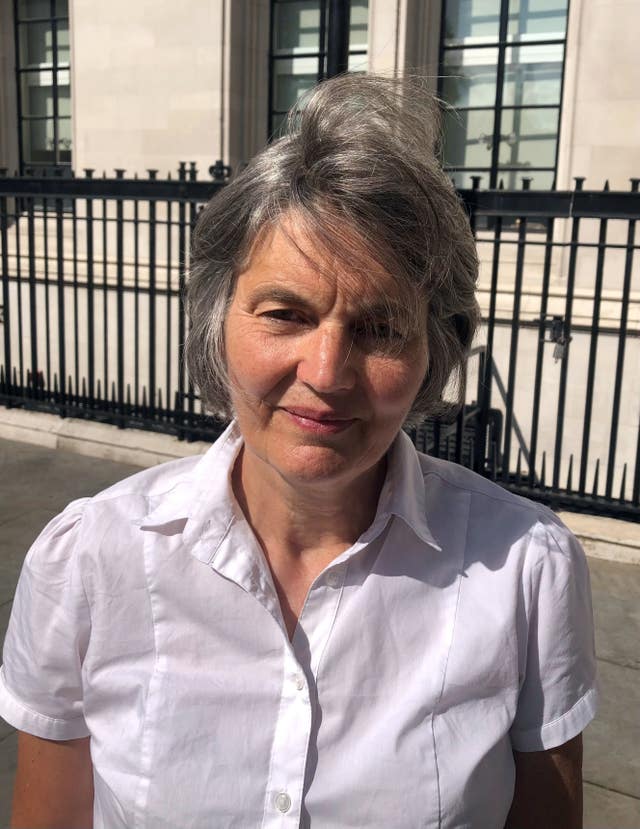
pixel 305 521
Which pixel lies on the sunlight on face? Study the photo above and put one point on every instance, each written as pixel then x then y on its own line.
pixel 321 380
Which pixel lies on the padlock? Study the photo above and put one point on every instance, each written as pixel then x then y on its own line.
pixel 559 350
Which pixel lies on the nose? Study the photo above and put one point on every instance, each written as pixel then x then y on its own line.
pixel 325 360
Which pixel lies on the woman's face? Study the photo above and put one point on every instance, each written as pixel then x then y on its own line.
pixel 317 398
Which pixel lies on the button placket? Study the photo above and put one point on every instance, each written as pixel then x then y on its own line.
pixel 290 744
pixel 293 726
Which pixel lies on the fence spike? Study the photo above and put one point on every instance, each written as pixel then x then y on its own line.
pixel 543 471
pixel 70 386
pixel 635 183
pixel 570 473
pixel 84 387
pixel 519 466
pixel 159 396
pixel 501 184
pixel 55 382
pixel 596 477
pixel 98 390
pixel 144 397
pixel 113 393
pixel 623 482
pixel 128 397
pixel 606 186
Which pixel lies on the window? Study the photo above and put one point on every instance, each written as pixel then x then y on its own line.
pixel 501 68
pixel 44 94
pixel 299 50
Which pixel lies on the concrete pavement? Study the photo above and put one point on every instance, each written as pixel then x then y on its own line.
pixel 36 482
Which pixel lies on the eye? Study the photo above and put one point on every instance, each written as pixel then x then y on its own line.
pixel 283 315
pixel 377 331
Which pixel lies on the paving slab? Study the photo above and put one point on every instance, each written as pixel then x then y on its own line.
pixel 612 740
pixel 8 755
pixel 604 809
pixel 616 606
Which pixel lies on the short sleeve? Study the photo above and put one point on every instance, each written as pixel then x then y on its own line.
pixel 47 637
pixel 558 693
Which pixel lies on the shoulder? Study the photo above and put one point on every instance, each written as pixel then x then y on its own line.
pixel 149 484
pixel 498 519
pixel 87 525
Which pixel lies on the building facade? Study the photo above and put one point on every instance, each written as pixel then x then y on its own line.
pixel 544 89
pixel 534 92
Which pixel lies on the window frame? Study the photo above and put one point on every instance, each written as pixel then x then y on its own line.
pixel 504 42
pixel 319 54
pixel 20 24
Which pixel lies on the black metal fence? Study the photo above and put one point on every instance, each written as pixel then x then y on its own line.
pixel 93 325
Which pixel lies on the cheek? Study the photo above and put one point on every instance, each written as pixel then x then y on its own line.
pixel 394 387
pixel 254 365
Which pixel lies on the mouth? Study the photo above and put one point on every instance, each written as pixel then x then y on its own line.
pixel 320 422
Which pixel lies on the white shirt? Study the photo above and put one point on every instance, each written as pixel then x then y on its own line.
pixel 456 628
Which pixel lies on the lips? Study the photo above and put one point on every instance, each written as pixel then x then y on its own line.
pixel 320 421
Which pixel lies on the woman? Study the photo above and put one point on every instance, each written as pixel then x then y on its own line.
pixel 313 624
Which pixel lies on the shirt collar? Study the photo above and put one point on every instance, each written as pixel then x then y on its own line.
pixel 403 493
pixel 202 507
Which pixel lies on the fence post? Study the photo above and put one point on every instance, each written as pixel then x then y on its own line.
pixel 120 304
pixel 6 315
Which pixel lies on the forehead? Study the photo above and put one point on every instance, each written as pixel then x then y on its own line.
pixel 289 256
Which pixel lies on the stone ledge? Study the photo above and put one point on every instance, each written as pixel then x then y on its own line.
pixel 606 538
pixel 97 440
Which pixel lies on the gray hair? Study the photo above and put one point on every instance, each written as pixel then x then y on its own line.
pixel 359 158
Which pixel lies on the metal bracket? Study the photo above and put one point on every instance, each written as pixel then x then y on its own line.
pixel 558 333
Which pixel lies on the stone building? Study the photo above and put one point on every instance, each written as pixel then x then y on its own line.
pixel 542 88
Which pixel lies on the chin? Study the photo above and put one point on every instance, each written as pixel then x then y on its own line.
pixel 312 464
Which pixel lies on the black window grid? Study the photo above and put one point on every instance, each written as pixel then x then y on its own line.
pixel 503 43
pixel 54 67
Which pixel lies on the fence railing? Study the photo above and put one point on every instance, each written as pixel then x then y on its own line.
pixel 93 325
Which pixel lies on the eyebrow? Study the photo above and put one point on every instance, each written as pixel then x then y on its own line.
pixel 278 293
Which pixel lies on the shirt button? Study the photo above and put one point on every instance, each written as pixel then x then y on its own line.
pixel 283 802
pixel 333 579
pixel 299 681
